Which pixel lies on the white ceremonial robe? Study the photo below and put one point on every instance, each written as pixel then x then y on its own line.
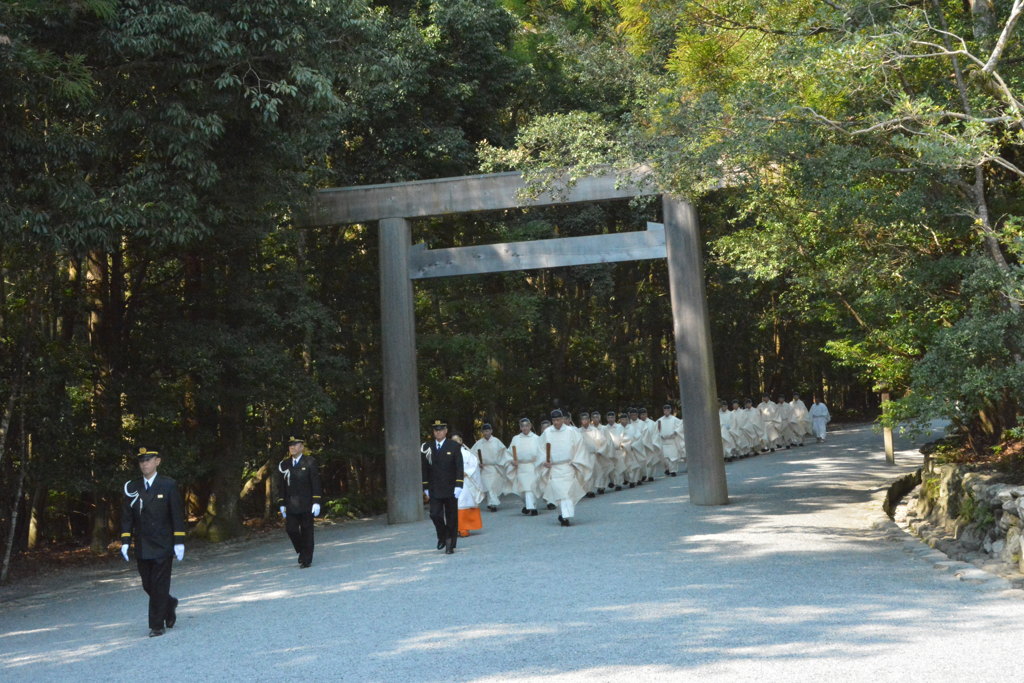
pixel 725 427
pixel 802 418
pixel 819 418
pixel 597 441
pixel 770 416
pixel 619 445
pixel 755 418
pixel 524 474
pixel 746 429
pixel 788 425
pixel 496 464
pixel 670 432
pixel 473 492
pixel 739 436
pixel 636 455
pixel 655 458
pixel 563 482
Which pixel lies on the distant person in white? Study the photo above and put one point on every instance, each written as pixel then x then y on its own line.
pixel 819 418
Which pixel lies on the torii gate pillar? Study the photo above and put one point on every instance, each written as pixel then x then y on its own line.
pixel 692 327
pixel 401 394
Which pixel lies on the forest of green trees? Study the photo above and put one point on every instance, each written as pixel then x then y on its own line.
pixel 856 165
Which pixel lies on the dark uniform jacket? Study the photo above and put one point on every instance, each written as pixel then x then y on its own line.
pixel 298 486
pixel 156 518
pixel 444 470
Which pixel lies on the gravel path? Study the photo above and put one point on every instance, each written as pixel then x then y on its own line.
pixel 798 579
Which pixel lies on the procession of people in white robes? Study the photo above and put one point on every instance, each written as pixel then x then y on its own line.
pixel 564 462
pixel 747 430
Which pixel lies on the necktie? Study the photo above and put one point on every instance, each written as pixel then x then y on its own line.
pixel 147 485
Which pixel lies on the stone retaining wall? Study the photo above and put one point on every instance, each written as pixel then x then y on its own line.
pixel 969 515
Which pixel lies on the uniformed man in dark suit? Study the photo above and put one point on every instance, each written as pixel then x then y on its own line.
pixel 443 473
pixel 298 497
pixel 154 514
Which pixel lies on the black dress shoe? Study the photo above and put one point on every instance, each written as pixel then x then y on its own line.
pixel 600 492
pixel 153 632
pixel 450 547
pixel 172 618
pixel 631 484
pixel 618 488
pixel 672 474
pixel 305 565
pixel 551 506
pixel 525 511
pixel 533 513
pixel 563 521
pixel 440 544
pixel 492 508
pixel 591 494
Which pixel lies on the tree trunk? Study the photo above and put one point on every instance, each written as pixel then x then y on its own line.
pixel 5 422
pixel 35 523
pixel 16 504
pixel 223 518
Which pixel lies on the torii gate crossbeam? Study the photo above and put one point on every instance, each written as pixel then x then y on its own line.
pixel 392 205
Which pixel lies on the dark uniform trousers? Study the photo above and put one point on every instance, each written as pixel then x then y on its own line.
pixel 298 486
pixel 156 519
pixel 156 581
pixel 444 513
pixel 299 526
pixel 442 473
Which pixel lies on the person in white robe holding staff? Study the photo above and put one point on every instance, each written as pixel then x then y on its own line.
pixel 495 464
pixel 524 452
pixel 670 432
pixel 565 466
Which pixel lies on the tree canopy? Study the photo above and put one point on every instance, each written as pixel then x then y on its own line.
pixel 856 167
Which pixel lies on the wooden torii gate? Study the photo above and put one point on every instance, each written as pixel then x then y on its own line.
pixel 393 205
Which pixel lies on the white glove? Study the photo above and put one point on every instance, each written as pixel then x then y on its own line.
pixel 179 551
pixel 124 552
pixel 283 513
pixel 427 494
pixel 316 509
pixel 458 491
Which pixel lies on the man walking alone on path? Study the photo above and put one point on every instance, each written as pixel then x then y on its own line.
pixel 298 497
pixel 153 512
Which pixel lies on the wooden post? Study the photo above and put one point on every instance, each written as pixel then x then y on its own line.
pixel 890 455
pixel 401 385
pixel 697 390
